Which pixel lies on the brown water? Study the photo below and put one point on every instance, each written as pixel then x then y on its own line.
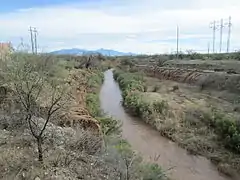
pixel 149 143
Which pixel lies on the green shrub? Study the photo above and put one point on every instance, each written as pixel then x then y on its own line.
pixel 160 106
pixel 109 125
pixel 95 80
pixel 92 103
pixel 153 172
pixel 132 86
pixel 226 127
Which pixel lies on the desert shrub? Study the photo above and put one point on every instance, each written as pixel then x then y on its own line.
pixel 109 126
pixel 218 57
pixel 130 164
pixel 127 62
pixel 132 86
pixel 95 81
pixel 162 60
pixel 92 99
pixel 175 87
pixel 129 81
pixel 226 127
pixel 145 88
pixel 85 141
pixel 137 106
pixel 235 55
pixel 156 88
pixel 92 103
pixel 153 172
pixel 160 106
pixel 194 55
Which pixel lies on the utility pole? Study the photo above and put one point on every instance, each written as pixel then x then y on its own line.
pixel 221 30
pixel 177 40
pixel 31 34
pixel 213 26
pixel 208 50
pixel 229 24
pixel 35 38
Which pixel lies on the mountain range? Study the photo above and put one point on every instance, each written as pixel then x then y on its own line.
pixel 105 52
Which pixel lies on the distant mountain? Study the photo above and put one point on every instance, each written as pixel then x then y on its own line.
pixel 105 52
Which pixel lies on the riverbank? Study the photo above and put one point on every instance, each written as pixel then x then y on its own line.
pixel 203 131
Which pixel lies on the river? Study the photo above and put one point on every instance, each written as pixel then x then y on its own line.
pixel 149 143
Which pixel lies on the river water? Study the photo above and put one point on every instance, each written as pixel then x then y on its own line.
pixel 149 143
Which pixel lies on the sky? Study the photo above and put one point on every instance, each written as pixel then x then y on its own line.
pixel 139 26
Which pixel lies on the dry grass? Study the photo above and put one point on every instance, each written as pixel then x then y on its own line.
pixel 75 158
pixel 67 152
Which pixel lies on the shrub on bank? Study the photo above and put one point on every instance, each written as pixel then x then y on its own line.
pixel 132 86
pixel 227 128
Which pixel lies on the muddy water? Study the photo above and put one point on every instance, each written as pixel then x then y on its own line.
pixel 150 144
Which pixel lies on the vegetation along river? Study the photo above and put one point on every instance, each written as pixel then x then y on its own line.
pixel 149 143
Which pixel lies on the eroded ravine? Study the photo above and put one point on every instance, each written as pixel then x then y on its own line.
pixel 149 143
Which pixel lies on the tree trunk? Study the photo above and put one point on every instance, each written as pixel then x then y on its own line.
pixel 40 151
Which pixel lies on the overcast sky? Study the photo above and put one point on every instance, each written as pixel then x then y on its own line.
pixel 140 26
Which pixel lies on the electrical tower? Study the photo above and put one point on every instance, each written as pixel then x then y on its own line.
pixel 33 39
pixel 214 27
pixel 221 31
pixel 31 35
pixel 208 46
pixel 177 41
pixel 229 24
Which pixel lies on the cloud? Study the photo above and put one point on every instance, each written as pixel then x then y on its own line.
pixel 142 26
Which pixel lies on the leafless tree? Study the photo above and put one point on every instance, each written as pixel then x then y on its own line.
pixel 33 86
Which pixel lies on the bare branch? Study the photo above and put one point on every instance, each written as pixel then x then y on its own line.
pixel 51 111
pixel 28 118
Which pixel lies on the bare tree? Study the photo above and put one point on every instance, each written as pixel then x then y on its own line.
pixel 33 86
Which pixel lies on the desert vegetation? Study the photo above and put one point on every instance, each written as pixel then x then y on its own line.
pixel 51 125
pixel 195 118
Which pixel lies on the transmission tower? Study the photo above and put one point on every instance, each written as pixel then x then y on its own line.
pixel 214 27
pixel 31 35
pixel 221 26
pixel 177 41
pixel 35 39
pixel 208 47
pixel 229 24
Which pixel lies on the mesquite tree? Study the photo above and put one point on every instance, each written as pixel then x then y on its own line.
pixel 39 94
